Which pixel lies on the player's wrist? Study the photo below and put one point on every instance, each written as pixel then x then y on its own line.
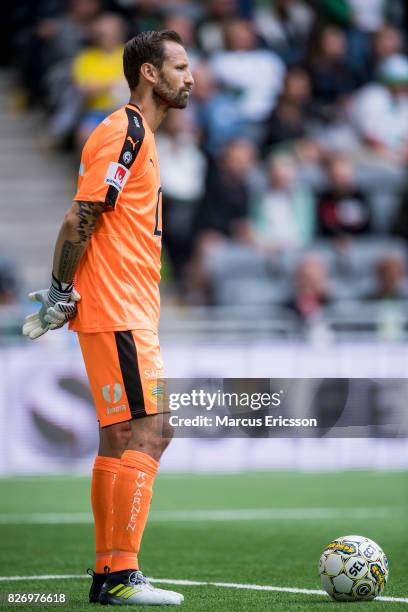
pixel 59 291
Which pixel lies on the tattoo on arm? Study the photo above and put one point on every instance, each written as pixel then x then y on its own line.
pixel 88 214
pixel 69 259
pixel 71 250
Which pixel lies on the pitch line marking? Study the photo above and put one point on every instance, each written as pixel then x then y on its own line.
pixel 227 585
pixel 169 516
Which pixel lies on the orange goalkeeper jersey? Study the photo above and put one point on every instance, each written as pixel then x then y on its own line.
pixel 119 273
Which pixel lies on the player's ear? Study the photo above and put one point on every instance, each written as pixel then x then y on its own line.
pixel 149 72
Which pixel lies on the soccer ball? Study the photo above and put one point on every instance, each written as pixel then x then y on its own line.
pixel 353 568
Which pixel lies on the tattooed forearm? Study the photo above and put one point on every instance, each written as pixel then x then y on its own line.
pixel 88 214
pixel 75 233
pixel 69 259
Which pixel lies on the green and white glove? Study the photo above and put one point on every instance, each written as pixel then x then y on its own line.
pixel 58 306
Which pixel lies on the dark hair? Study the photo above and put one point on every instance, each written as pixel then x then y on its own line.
pixel 146 47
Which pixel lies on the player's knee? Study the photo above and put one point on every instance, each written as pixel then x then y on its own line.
pixel 121 435
pixel 158 445
pixel 113 440
pixel 165 437
pixel 151 435
pixel 167 433
pixel 154 445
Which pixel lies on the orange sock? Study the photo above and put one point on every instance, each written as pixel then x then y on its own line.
pixel 131 502
pixel 103 478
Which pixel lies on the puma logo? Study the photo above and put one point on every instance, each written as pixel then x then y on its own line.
pixel 133 142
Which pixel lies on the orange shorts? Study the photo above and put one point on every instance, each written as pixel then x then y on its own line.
pixel 124 370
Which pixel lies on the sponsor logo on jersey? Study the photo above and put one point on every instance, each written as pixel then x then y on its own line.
pixel 116 176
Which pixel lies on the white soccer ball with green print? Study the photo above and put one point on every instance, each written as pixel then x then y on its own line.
pixel 353 568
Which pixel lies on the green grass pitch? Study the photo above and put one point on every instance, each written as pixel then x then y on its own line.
pixel 275 551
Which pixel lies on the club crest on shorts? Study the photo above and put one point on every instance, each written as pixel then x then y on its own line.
pixel 112 393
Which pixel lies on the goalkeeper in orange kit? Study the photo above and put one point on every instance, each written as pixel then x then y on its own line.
pixel 109 248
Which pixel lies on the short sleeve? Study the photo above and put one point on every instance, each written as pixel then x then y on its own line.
pixel 107 162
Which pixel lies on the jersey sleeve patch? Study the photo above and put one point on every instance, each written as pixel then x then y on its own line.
pixel 116 176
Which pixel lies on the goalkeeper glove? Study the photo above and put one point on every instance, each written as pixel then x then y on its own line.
pixel 58 305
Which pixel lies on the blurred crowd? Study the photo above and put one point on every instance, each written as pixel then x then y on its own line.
pixel 284 180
